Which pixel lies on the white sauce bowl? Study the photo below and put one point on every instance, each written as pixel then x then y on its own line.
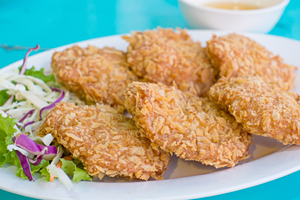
pixel 258 20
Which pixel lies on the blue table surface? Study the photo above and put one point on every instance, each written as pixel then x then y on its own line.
pixel 55 23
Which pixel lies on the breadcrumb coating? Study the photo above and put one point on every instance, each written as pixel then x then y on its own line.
pixel 106 142
pixel 235 55
pixel 95 75
pixel 191 127
pixel 162 55
pixel 259 108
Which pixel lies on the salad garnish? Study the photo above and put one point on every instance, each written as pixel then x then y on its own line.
pixel 26 97
pixel 22 71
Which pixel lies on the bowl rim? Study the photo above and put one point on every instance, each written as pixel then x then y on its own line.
pixel 282 4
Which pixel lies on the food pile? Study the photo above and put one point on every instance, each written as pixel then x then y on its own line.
pixel 199 103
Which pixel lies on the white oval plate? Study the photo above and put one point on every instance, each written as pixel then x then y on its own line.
pixel 183 179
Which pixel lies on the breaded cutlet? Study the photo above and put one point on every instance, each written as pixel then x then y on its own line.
pixel 235 55
pixel 95 75
pixel 191 127
pixel 259 108
pixel 106 142
pixel 166 56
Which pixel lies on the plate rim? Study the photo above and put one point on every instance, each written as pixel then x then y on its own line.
pixel 195 195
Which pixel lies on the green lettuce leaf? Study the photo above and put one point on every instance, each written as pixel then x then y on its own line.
pixel 11 157
pixel 3 97
pixel 7 127
pixel 20 171
pixel 34 168
pixel 3 150
pixel 7 131
pixel 6 134
pixel 37 168
pixel 39 74
pixel 68 166
pixel 71 169
pixel 44 172
pixel 80 174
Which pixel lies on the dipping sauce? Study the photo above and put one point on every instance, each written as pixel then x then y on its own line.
pixel 232 6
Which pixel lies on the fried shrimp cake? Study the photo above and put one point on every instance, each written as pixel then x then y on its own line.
pixel 192 128
pixel 95 75
pixel 235 55
pixel 165 56
pixel 106 142
pixel 259 108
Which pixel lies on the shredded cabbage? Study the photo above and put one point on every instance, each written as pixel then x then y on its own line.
pixel 30 93
pixel 25 99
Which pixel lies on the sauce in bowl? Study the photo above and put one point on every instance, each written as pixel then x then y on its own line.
pixel 232 6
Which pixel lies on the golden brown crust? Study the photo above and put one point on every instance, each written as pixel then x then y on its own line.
pixel 105 141
pixel 259 108
pixel 95 75
pixel 235 55
pixel 165 56
pixel 191 127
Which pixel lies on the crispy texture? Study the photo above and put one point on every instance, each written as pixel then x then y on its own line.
pixel 95 75
pixel 105 141
pixel 235 55
pixel 167 57
pixel 259 108
pixel 191 127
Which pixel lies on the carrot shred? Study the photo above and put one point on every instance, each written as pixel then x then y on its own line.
pixel 69 158
pixel 52 178
pixel 59 164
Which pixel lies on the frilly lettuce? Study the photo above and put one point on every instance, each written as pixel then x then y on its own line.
pixel 74 170
pixel 7 132
pixel 40 75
